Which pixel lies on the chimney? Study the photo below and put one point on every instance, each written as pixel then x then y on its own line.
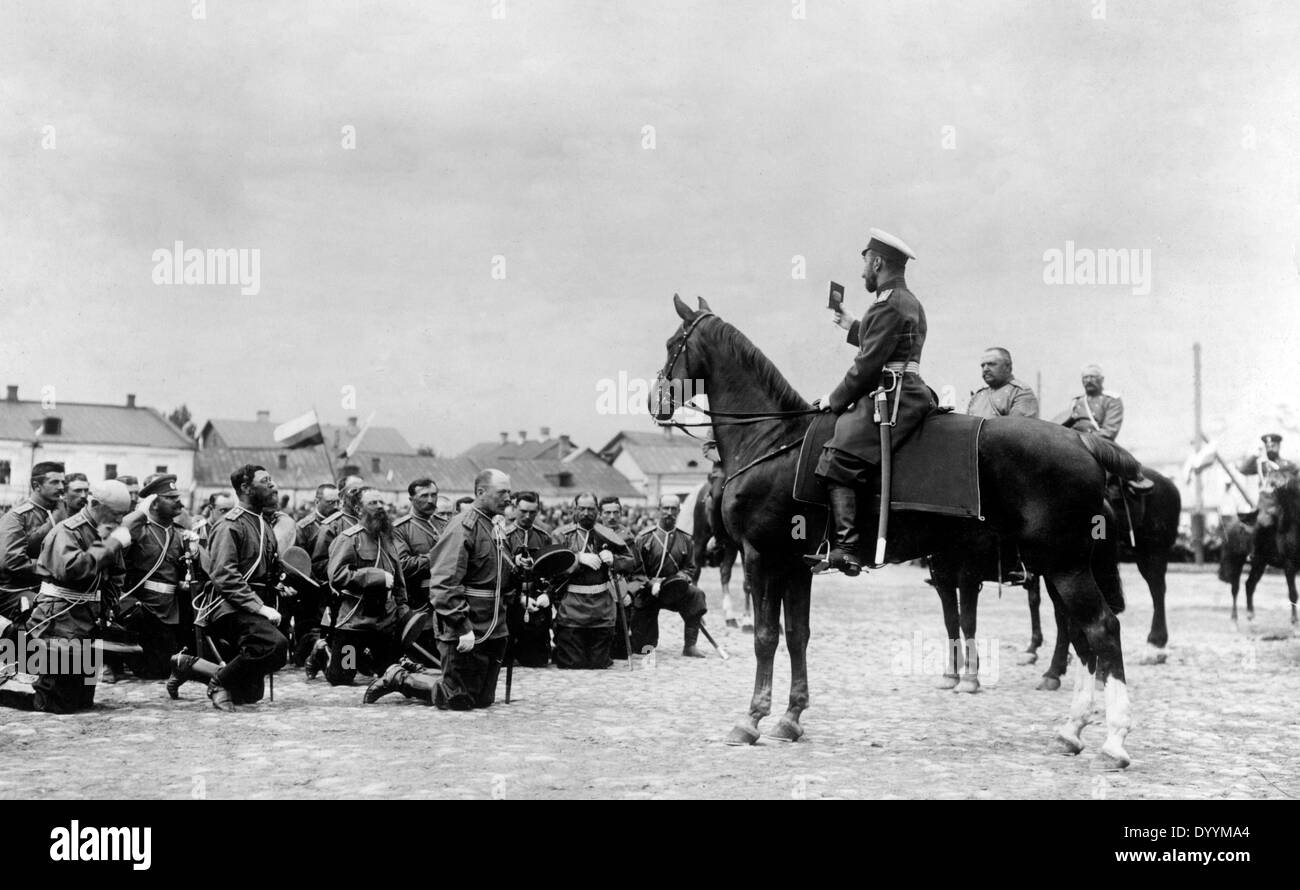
pixel 566 446
pixel 545 433
pixel 262 416
pixel 130 400
pixel 11 395
pixel 523 436
pixel 505 438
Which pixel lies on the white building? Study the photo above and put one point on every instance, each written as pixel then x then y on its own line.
pixel 658 463
pixel 102 441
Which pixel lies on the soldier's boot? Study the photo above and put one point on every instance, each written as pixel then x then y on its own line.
pixel 844 527
pixel 1139 484
pixel 189 667
pixel 220 697
pixel 412 684
pixel 317 659
pixel 692 636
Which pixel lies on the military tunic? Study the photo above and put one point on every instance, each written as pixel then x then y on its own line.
pixel 357 565
pixel 665 554
pixel 330 528
pixel 892 330
pixel 155 565
pixel 22 530
pixel 530 632
pixel 414 536
pixel 309 530
pixel 79 569
pixel 470 576
pixel 584 599
pixel 1012 399
pixel 1101 414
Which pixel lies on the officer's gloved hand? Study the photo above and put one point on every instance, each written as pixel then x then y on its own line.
pixel 606 557
pixel 842 319
pixel 388 580
pixel 823 403
pixel 466 641
pixel 590 560
pixel 269 614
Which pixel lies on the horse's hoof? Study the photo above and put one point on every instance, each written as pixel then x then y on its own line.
pixel 947 681
pixel 1067 744
pixel 1111 759
pixel 1025 658
pixel 1154 656
pixel 968 684
pixel 732 622
pixel 785 731
pixel 742 735
pixel 747 625
pixel 1049 684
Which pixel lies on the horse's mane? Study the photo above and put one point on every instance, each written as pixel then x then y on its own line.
pixel 759 366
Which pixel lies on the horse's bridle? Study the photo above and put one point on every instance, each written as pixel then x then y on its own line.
pixel 662 379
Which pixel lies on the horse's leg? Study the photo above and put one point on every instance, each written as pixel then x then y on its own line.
pixel 1034 590
pixel 797 584
pixel 969 610
pixel 767 614
pixel 747 619
pixel 1291 592
pixel 945 586
pixel 1257 568
pixel 1234 575
pixel 1153 567
pixel 1061 648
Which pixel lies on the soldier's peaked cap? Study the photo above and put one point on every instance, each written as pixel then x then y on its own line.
pixel 1270 437
pixel 889 246
pixel 163 484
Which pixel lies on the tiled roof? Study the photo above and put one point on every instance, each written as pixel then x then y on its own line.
pixel 657 454
pixel 586 472
pixel 306 468
pixel 91 424
pixel 261 434
pixel 533 449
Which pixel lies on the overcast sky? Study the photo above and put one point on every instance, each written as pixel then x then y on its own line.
pixel 985 134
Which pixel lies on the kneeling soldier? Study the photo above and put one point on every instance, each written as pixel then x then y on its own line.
pixel 667 552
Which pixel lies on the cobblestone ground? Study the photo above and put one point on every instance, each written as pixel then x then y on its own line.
pixel 1218 720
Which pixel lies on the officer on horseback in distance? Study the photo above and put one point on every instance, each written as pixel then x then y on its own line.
pixel 889 338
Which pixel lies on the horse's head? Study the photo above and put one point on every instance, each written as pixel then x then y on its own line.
pixel 680 379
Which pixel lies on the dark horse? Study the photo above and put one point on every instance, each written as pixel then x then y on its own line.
pixel 1275 542
pixel 1043 486
pixel 1150 522
pixel 722 555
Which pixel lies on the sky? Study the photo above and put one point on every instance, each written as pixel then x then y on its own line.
pixel 469 215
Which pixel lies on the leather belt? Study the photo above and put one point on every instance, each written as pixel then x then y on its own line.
pixel 587 588
pixel 160 587
pixel 54 591
pixel 903 367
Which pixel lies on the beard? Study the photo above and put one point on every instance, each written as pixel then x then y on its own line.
pixel 587 522
pixel 669 522
pixel 377 524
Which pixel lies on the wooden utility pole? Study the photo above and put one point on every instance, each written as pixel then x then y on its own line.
pixel 1198 514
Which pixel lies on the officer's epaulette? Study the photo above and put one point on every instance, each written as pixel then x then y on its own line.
pixel 403 520
pixel 1016 383
pixel 76 521
pixel 566 528
pixel 352 531
pixel 24 507
pixel 235 512
pixel 609 534
pixel 330 518
pixel 646 532
pixel 307 520
pixel 1113 395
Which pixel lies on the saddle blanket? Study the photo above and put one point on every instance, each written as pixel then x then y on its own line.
pixel 935 470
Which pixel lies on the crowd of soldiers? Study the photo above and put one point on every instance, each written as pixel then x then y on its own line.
pixel 431 604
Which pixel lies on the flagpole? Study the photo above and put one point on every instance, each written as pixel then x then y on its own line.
pixel 329 462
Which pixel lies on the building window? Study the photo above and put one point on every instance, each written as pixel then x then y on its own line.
pixel 52 426
pixel 282 461
pixel 161 468
pixel 374 465
pixel 110 471
pixel 5 472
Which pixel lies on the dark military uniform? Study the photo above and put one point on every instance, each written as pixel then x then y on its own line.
pixel 1011 399
pixel 530 632
pixel 369 611
pixel 149 607
pixel 330 528
pixel 1102 414
pixel 666 554
pixel 585 611
pixel 309 530
pixel 890 334
pixel 22 530
pixel 243 565
pixel 471 577
pixel 78 569
pixel 415 537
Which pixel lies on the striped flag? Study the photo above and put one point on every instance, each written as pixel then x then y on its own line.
pixel 300 432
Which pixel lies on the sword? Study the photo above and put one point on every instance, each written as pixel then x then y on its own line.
pixel 622 618
pixel 886 467
pixel 712 642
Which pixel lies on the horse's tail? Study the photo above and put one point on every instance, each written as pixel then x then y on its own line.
pixel 1113 459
